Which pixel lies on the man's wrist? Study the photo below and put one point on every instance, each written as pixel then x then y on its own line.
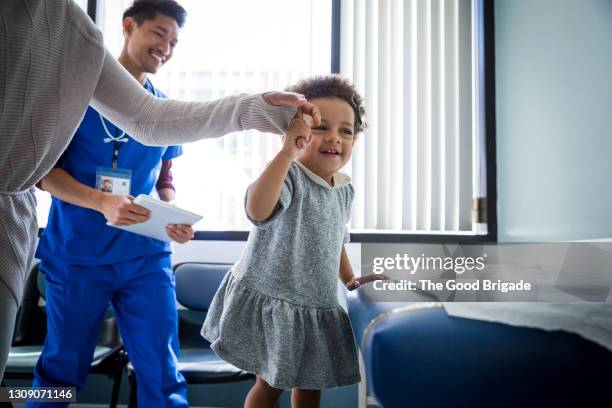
pixel 97 199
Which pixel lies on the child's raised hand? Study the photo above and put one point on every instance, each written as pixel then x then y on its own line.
pixel 298 135
pixel 357 282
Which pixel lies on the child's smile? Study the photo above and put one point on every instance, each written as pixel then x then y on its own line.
pixel 331 151
pixel 331 144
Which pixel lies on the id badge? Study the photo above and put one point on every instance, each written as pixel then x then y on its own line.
pixel 116 181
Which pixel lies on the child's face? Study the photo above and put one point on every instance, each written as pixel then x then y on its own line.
pixel 331 144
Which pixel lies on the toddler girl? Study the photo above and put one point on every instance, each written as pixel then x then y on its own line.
pixel 276 313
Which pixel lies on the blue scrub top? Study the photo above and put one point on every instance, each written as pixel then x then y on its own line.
pixel 80 236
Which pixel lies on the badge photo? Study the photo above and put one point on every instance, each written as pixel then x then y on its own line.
pixel 115 181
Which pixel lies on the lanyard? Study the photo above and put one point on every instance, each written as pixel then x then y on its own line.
pixel 117 139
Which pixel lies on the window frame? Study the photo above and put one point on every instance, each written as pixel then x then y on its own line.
pixel 92 9
pixel 488 110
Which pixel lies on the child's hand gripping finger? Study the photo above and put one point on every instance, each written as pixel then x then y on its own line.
pixel 298 135
pixel 357 282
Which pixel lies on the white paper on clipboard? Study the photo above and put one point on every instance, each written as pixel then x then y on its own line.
pixel 162 214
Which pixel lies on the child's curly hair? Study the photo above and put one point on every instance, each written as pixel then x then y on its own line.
pixel 333 86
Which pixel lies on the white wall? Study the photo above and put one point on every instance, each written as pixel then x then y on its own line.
pixel 554 118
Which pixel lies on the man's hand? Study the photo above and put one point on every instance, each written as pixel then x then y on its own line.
pixel 120 210
pixel 357 282
pixel 180 233
pixel 312 116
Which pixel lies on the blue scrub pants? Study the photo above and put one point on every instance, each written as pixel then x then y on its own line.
pixel 141 292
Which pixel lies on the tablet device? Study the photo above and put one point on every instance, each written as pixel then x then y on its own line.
pixel 162 214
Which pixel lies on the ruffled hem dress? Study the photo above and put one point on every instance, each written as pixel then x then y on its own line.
pixel 276 313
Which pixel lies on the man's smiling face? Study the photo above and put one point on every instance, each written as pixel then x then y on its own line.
pixel 150 44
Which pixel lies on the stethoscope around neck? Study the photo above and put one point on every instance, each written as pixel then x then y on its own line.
pixel 122 138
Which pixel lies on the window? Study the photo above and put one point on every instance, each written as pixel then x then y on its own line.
pixel 225 48
pixel 420 163
pixel 221 52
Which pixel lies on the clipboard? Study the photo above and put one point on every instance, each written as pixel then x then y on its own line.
pixel 162 214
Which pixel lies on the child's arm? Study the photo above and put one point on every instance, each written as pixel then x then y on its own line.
pixel 348 278
pixel 346 270
pixel 263 194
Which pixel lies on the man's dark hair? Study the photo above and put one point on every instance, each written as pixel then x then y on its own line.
pixel 333 86
pixel 143 10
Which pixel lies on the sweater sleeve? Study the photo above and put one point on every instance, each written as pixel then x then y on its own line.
pixel 152 121
pixel 165 176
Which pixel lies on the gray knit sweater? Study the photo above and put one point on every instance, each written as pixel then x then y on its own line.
pixel 53 63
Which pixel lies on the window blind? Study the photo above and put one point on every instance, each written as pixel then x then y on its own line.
pixel 412 60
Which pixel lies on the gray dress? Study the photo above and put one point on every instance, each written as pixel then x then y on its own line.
pixel 276 313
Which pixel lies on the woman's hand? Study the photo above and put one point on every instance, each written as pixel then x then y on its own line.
pixel 310 111
pixel 357 282
pixel 180 233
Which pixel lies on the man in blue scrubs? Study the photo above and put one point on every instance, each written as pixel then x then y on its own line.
pixel 88 264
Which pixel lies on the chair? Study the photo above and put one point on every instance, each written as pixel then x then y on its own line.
pixel 414 354
pixel 30 331
pixel 196 284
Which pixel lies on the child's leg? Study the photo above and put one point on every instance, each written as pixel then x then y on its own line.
pixel 262 395
pixel 301 398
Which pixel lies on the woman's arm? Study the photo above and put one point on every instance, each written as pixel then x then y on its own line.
pixel 153 121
